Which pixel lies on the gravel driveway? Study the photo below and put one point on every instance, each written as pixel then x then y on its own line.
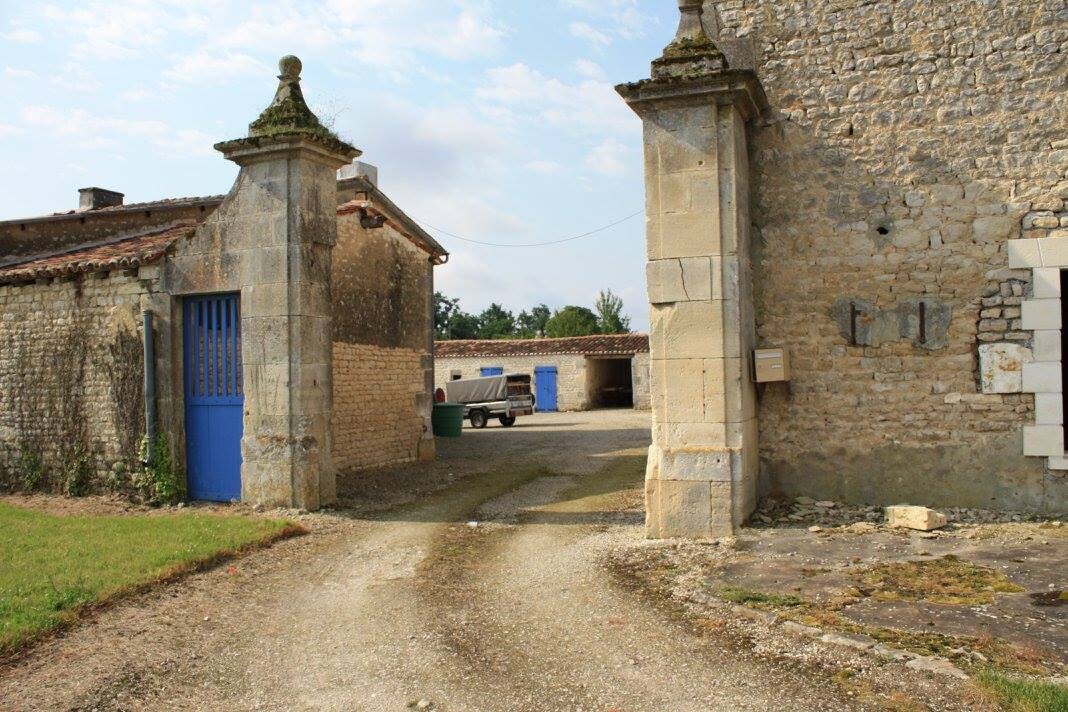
pixel 472 583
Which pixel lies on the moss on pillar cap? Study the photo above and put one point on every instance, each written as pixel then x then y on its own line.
pixel 289 117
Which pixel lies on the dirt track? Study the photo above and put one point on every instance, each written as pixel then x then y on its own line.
pixel 487 594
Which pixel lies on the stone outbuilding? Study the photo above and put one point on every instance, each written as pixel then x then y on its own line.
pixel 289 327
pixel 868 197
pixel 573 373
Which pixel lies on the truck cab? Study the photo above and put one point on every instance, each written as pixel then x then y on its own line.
pixel 505 397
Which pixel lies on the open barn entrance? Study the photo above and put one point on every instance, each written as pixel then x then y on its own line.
pixel 609 382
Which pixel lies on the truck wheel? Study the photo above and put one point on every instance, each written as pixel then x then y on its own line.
pixel 478 419
pixel 507 421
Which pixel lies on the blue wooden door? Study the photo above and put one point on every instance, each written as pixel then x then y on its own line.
pixel 214 396
pixel 545 389
pixel 491 371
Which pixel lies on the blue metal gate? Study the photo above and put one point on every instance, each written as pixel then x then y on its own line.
pixel 545 388
pixel 214 396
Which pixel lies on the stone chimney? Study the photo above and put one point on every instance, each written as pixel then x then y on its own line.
pixel 359 169
pixel 93 198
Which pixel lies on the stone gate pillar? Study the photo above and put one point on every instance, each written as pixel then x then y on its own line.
pixel 279 226
pixel 703 465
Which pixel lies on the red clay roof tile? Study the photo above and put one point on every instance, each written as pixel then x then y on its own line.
pixel 122 252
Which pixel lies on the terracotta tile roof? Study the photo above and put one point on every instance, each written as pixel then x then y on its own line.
pixel 121 252
pixel 206 201
pixel 160 204
pixel 597 345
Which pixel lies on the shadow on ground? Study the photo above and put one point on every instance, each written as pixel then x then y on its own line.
pixel 483 464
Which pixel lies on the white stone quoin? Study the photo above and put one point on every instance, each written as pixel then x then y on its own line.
pixel 1045 257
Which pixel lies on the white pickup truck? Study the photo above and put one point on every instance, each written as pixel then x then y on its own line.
pixel 503 397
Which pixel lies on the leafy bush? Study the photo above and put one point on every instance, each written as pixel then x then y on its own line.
pixel 78 475
pixel 160 483
pixel 31 469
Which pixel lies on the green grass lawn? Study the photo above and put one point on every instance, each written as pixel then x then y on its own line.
pixel 1015 695
pixel 51 566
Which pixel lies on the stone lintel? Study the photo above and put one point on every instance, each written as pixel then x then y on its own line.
pixel 737 87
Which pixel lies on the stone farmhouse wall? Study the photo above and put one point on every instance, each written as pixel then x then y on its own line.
pixel 639 376
pixel 912 143
pixel 571 377
pixel 377 420
pixel 71 377
pixel 381 286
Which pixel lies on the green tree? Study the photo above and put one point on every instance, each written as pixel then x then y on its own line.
pixel 496 322
pixel 444 310
pixel 531 324
pixel 463 326
pixel 571 321
pixel 610 317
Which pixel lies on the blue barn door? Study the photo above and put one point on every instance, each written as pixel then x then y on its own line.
pixel 491 371
pixel 214 396
pixel 545 389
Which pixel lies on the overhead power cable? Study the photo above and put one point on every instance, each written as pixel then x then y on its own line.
pixel 532 244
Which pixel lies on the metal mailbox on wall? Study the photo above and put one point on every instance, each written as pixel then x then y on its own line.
pixel 771 365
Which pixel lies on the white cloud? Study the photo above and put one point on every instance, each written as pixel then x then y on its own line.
pixel 543 167
pixel 590 70
pixel 608 158
pixel 396 36
pixel 112 29
pixel 23 34
pixel 7 130
pixel 204 68
pixel 92 132
pixel 586 107
pixel 16 73
pixel 584 31
pixel 73 76
pixel 616 18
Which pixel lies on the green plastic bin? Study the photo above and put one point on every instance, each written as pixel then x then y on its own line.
pixel 447 420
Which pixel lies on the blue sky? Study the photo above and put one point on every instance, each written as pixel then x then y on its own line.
pixel 494 120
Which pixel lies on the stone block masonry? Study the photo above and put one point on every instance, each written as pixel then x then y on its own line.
pixel 378 416
pixel 911 144
pixel 71 378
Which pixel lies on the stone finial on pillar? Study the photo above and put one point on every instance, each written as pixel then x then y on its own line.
pixel 702 469
pixel 693 52
pixel 289 116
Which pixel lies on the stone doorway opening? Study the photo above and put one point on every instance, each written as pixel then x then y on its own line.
pixel 610 382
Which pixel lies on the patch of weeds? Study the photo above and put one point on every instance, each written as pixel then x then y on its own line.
pixel 160 483
pixel 1017 695
pixel 116 481
pixel 31 469
pixel 810 572
pixel 759 599
pixel 77 476
pixel 1049 598
pixel 864 692
pixel 958 649
pixel 947 580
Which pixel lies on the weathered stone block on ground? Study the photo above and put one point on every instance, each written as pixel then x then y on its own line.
pixel 918 518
